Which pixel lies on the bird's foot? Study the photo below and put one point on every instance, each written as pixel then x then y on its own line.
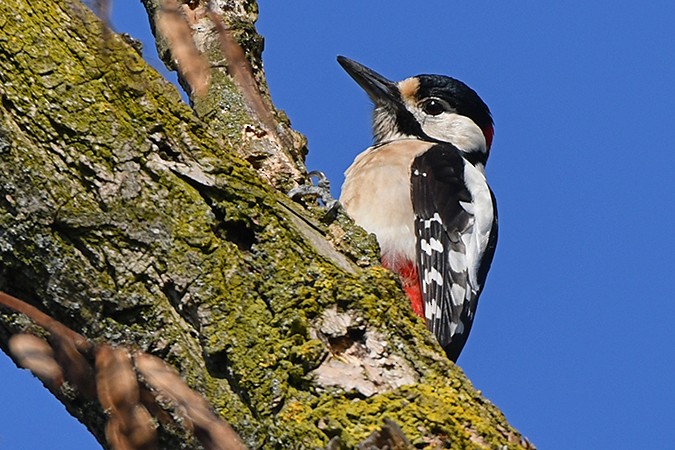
pixel 320 192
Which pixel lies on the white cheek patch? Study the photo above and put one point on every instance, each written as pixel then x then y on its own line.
pixel 458 130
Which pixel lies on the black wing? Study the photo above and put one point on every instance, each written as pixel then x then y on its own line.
pixel 454 251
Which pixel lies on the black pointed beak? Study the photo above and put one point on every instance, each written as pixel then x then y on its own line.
pixel 380 90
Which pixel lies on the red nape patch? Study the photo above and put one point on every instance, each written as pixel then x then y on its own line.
pixel 489 133
pixel 411 283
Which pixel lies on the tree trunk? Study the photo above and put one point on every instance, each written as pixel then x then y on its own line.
pixel 136 222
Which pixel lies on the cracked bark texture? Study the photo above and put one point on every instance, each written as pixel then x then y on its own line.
pixel 135 221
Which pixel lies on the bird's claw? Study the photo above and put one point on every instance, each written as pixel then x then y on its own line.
pixel 320 191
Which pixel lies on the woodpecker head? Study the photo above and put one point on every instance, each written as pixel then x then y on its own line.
pixel 426 107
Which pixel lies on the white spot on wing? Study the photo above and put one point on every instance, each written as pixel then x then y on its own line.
pixel 433 245
pixel 432 310
pixel 433 275
pixel 453 327
pixel 458 293
pixel 457 261
pixel 467 206
pixel 466 239
pixel 435 218
pixel 436 245
pixel 427 310
pixel 425 247
pixel 456 328
pixel 460 327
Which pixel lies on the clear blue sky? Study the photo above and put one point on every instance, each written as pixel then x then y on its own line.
pixel 574 338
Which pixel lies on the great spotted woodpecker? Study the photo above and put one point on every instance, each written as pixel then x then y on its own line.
pixel 421 189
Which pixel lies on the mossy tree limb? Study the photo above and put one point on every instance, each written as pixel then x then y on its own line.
pixel 237 107
pixel 127 218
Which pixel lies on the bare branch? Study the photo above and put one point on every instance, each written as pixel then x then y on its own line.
pixel 193 66
pixel 37 356
pixel 115 384
pixel 211 431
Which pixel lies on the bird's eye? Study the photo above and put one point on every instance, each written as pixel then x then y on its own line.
pixel 433 107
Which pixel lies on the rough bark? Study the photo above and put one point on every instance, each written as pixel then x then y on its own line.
pixel 135 222
pixel 233 109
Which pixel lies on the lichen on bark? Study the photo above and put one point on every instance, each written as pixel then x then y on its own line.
pixel 129 219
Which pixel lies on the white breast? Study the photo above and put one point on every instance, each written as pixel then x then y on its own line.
pixel 376 194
